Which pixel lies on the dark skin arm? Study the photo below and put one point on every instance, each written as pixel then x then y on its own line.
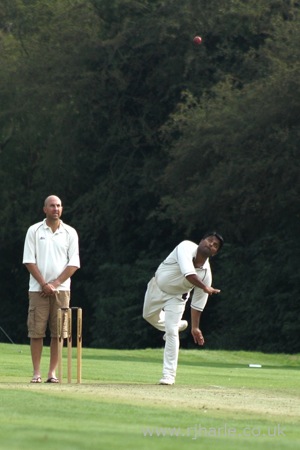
pixel 207 247
pixel 195 314
pixel 195 330
pixel 195 280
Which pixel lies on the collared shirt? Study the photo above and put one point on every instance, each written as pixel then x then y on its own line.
pixel 171 274
pixel 51 252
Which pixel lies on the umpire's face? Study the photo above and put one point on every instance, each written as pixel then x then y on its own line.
pixel 53 208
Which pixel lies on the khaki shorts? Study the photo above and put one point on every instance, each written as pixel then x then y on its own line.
pixel 43 311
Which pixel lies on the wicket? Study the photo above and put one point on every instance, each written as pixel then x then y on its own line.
pixel 65 315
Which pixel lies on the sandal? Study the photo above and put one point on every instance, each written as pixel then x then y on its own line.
pixel 36 380
pixel 52 380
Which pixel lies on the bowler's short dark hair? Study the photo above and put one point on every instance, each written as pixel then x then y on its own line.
pixel 216 234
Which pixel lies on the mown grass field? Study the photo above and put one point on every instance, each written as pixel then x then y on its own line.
pixel 218 402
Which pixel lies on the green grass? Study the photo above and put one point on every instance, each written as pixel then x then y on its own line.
pixel 218 402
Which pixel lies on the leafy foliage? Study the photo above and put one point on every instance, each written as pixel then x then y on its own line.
pixel 149 139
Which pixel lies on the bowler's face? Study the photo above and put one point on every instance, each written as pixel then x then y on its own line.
pixel 210 245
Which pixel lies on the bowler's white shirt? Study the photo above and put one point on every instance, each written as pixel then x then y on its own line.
pixel 51 252
pixel 171 274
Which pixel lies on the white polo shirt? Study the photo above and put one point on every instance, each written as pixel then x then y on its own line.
pixel 51 252
pixel 171 274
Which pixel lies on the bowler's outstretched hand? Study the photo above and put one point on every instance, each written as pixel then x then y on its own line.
pixel 210 290
pixel 198 336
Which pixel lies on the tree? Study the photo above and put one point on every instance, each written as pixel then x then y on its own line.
pixel 108 103
pixel 237 153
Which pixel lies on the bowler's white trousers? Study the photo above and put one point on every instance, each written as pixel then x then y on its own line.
pixel 164 311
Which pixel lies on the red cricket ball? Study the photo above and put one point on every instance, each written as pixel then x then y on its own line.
pixel 197 40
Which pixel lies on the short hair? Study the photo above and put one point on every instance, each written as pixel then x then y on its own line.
pixel 216 234
pixel 49 196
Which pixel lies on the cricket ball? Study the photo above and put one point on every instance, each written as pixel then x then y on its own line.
pixel 197 40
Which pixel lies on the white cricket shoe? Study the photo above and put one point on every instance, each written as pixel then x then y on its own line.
pixel 167 381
